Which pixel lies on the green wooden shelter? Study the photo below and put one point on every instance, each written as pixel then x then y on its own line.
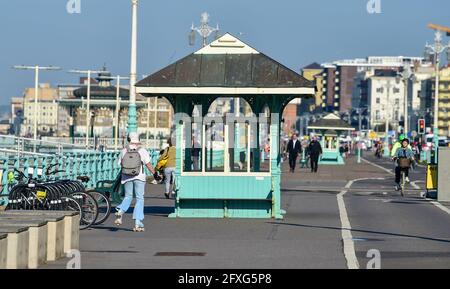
pixel 220 172
pixel 330 128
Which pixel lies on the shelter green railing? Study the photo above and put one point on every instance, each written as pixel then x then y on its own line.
pixel 99 166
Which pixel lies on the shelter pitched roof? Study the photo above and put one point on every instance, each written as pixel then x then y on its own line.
pixel 226 63
pixel 331 122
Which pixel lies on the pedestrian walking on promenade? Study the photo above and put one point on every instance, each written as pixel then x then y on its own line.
pixel 315 150
pixel 169 169
pixel 293 149
pixel 132 159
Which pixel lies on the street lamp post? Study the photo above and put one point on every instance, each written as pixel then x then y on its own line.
pixel 132 121
pixel 386 138
pixel 36 69
pixel 88 102
pixel 117 112
pixel 405 76
pixel 437 48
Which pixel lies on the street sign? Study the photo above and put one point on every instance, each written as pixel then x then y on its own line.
pixel 373 135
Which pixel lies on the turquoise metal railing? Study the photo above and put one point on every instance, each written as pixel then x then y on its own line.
pixel 98 166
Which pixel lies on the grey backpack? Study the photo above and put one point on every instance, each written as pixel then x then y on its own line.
pixel 131 162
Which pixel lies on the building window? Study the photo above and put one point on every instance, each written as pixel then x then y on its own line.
pixel 378 100
pixel 396 90
pixel 377 115
pixel 380 90
pixel 396 116
pixel 397 101
pixel 336 96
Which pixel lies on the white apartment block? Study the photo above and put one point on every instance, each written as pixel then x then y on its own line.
pixel 386 100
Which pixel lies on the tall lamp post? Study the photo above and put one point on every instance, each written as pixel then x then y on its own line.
pixel 132 121
pixel 436 49
pixel 117 111
pixel 36 90
pixel 405 76
pixel 88 102
pixel 386 138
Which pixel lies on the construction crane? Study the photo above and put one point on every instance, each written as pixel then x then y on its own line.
pixel 440 28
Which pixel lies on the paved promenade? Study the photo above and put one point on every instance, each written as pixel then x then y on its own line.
pixel 409 232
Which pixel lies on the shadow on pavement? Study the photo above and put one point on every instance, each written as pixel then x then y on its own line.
pixel 364 231
pixel 158 210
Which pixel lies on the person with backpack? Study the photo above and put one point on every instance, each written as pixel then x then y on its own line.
pixel 132 160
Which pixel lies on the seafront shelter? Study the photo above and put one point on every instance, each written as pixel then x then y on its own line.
pixel 228 99
pixel 330 128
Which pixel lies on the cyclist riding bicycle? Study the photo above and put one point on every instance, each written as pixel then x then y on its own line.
pixel 402 153
pixel 394 150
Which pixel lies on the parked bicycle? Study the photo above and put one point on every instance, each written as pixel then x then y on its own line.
pixel 50 194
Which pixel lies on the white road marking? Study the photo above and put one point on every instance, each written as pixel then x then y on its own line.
pixel 378 166
pixel 413 184
pixel 437 204
pixel 347 238
pixel 440 206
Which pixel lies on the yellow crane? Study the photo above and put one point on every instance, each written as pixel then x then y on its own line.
pixel 439 28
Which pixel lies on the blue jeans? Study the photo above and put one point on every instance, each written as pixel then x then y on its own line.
pixel 138 187
pixel 169 174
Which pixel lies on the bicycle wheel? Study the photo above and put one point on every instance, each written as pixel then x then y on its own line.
pixel 104 206
pixel 89 209
pixel 71 204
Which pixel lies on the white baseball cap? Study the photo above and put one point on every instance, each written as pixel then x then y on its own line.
pixel 134 137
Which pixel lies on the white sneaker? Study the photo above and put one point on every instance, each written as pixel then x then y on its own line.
pixel 118 220
pixel 139 227
pixel 154 182
pixel 407 179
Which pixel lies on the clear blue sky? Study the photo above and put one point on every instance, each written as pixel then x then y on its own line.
pixel 294 32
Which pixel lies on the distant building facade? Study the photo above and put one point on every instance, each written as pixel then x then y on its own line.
pixel 103 101
pixel 427 101
pixel 17 115
pixel 386 99
pixel 46 111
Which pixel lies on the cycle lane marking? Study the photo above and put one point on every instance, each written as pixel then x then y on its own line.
pixel 433 202
pixel 346 229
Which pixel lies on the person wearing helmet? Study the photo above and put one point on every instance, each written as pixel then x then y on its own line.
pixel 394 150
pixel 405 152
pixel 397 145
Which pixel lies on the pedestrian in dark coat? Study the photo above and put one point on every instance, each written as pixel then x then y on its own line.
pixel 294 148
pixel 315 150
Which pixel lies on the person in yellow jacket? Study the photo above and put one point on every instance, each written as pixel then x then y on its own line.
pixel 169 158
